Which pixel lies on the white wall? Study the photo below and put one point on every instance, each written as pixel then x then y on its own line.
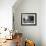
pixel 43 22
pixel 30 32
pixel 6 13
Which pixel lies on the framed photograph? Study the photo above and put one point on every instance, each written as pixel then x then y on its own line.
pixel 28 19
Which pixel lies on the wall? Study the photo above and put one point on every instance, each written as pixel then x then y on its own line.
pixel 6 13
pixel 43 22
pixel 29 32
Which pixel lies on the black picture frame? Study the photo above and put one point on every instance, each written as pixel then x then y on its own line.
pixel 29 19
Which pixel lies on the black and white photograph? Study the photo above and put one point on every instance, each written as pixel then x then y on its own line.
pixel 28 18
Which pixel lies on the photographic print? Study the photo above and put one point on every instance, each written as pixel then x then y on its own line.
pixel 28 19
